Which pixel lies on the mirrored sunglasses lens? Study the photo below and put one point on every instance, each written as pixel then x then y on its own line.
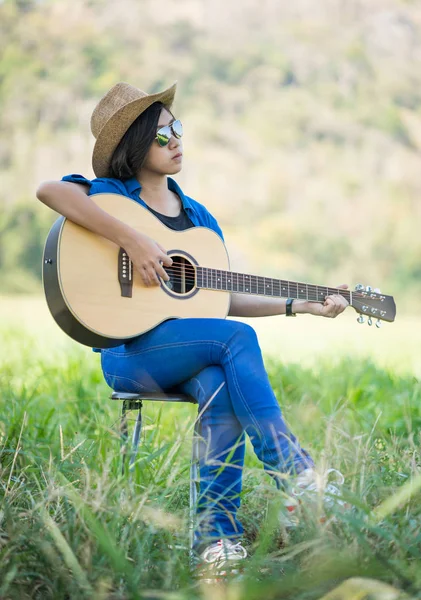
pixel 177 129
pixel 163 136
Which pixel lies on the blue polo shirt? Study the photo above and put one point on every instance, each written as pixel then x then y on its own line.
pixel 198 214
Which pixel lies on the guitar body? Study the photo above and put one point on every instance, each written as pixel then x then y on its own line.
pixel 82 287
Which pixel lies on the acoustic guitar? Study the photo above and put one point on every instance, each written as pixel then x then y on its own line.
pixel 99 300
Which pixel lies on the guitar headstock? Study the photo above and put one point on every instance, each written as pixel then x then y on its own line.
pixel 373 305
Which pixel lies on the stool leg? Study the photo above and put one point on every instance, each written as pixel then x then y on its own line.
pixel 194 482
pixel 124 434
pixel 136 437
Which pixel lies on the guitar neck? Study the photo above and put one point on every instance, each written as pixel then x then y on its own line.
pixel 215 279
pixel 364 301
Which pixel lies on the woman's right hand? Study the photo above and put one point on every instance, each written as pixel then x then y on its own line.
pixel 148 258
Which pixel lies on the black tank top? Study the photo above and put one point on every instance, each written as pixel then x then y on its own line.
pixel 179 223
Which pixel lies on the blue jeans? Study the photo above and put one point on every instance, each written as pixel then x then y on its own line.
pixel 218 362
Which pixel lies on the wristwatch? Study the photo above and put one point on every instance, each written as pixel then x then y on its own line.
pixel 288 308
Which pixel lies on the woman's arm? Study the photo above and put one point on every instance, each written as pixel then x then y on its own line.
pixel 243 305
pixel 72 201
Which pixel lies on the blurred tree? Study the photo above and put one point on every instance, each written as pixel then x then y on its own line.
pixel 301 118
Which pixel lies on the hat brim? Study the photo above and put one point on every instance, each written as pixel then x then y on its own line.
pixel 115 128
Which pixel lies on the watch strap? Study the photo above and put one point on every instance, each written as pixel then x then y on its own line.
pixel 288 308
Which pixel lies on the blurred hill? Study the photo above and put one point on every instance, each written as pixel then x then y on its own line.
pixel 302 121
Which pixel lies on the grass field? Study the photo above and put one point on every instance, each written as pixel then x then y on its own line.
pixel 72 527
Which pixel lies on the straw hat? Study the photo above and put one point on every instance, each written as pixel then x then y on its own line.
pixel 114 114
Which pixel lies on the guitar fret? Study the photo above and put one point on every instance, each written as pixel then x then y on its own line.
pixel 253 285
pixel 313 294
pixel 266 284
pixel 283 289
pixel 301 291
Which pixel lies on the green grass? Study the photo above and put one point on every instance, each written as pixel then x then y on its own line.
pixel 71 526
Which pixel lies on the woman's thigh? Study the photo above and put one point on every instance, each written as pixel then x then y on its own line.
pixel 171 353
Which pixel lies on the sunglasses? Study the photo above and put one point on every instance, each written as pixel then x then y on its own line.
pixel 164 134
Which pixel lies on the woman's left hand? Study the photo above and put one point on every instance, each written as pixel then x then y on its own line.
pixel 332 306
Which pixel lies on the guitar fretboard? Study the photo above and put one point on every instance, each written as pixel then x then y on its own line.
pixel 215 279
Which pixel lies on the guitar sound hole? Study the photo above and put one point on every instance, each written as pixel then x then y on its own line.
pixel 182 275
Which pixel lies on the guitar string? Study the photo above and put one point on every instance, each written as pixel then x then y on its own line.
pixel 332 292
pixel 192 270
pixel 178 271
pixel 357 299
pixel 312 288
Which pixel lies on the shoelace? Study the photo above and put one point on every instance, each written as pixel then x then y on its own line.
pixel 224 550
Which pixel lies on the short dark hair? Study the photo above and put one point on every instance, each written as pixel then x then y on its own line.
pixel 130 154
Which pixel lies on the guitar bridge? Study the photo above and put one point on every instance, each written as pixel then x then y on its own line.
pixel 125 274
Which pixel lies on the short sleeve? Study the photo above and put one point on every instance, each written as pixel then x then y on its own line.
pixel 104 185
pixel 213 224
pixel 75 178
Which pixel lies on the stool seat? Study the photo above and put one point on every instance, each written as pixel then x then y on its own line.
pixel 158 396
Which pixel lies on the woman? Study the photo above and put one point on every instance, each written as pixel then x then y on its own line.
pixel 219 362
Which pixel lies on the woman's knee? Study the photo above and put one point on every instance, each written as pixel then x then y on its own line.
pixel 243 338
pixel 227 329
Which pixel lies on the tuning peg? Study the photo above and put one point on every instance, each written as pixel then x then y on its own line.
pixel 378 323
pixel 360 319
pixel 377 290
pixel 370 321
pixel 359 287
pixel 368 288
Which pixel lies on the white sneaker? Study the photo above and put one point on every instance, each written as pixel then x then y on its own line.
pixel 221 559
pixel 311 486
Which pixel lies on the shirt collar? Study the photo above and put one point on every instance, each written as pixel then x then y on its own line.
pixel 132 186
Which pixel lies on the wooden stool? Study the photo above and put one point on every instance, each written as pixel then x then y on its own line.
pixel 135 402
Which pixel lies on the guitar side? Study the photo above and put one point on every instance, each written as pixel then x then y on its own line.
pixel 81 280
